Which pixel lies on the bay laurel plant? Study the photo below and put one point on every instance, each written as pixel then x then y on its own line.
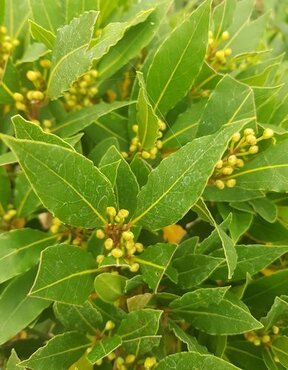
pixel 143 181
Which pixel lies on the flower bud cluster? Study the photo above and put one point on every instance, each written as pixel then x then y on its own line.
pixel 136 145
pixel 241 147
pixel 7 46
pixel 216 56
pixel 82 93
pixel 118 239
pixel 9 219
pixel 264 339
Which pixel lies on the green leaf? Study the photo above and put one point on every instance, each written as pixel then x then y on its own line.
pixel 277 314
pixel 20 250
pixel 5 190
pixel 33 53
pixel 42 35
pixel 135 39
pixel 126 187
pixel 17 308
pixel 17 13
pixel 2 11
pixel 9 83
pixel 245 355
pixel 154 262
pixel 178 61
pixel 217 112
pixel 48 15
pixel 85 318
pixel 30 131
pixel 208 310
pixel 280 349
pixel 193 269
pixel 252 259
pixel 109 287
pixel 235 194
pixel 77 121
pixel 65 275
pixel 110 171
pixel 270 363
pixel 148 122
pixel 13 361
pixel 260 293
pixel 265 208
pixel 103 348
pixel 223 16
pixel 25 200
pixel 59 353
pixel 194 361
pixel 268 171
pixel 141 170
pixel 71 195
pixel 100 149
pixel 7 158
pixel 71 57
pixel 177 183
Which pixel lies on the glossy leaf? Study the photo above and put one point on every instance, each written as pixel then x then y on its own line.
pixel 103 348
pixel 109 287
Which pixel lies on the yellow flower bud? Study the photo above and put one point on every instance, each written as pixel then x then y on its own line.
pixel 100 234
pixel 47 123
pixel 130 359
pixel 227 170
pixel 45 63
pixel 20 106
pixel 162 125
pixel 132 148
pixel 135 141
pixel 159 144
pixel 154 151
pixel 32 75
pixel 257 342
pixel 251 139
pixel 99 362
pixel 268 133
pixel 111 356
pixel 124 154
pixel 220 184
pixel 139 247
pixel 220 54
pixel 54 229
pixel 210 34
pixel 127 235
pixel 100 258
pixel 253 149
pixel 240 162
pixel 3 30
pixel 225 36
pixel 130 244
pixel 18 97
pixel 228 52
pixel 108 244
pixel 219 164
pixel 149 362
pixel 135 128
pixel 230 183
pixel 111 211
pixel 93 73
pixel 249 131
pixel 275 329
pixel 117 253
pixel 134 267
pixel 145 154
pixel 109 325
pixel 266 339
pixel 131 251
pixel 123 213
pixel 236 137
pixel 232 160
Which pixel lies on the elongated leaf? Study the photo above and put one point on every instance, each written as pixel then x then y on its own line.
pixel 126 186
pixel 268 171
pixel 9 83
pixel 65 275
pixel 217 112
pixel 42 35
pixel 280 349
pixel 30 131
pixel 193 269
pixel 71 57
pixel 7 158
pixel 77 121
pixel 141 170
pixel 72 188
pixel 17 13
pixel 277 314
pixel 194 361
pixel 47 14
pixel 208 310
pixel 33 53
pixel 109 287
pixel 20 250
pixel 5 190
pixel 17 309
pixel 13 361
pixel 59 353
pixel 26 201
pixel 245 355
pixel 178 61
pixel 103 348
pixel 100 149
pixel 154 262
pixel 177 183
pixel 148 122
pixel 85 318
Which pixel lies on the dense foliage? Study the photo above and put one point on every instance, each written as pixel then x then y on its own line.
pixel 143 181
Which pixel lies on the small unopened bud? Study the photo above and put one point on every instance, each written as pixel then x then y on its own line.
pixel 111 356
pixel 240 163
pixel 45 63
pixel 99 362
pixel 268 133
pixel 159 144
pixel 257 342
pixel 232 160
pixel 109 325
pixel 219 164
pixel 220 54
pixel 145 154
pixel 228 52
pixel 130 359
pixel 236 137
pixel 127 235
pixel 117 253
pixel 100 258
pixel 108 244
pixel 253 149
pixel 220 184
pixel 135 128
pixel 227 170
pixel 149 362
pixel 123 213
pixel 18 97
pixel 275 329
pixel 266 339
pixel 20 106
pixel 225 36
pixel 32 75
pixel 111 211
pixel 251 139
pixel 249 131
pixel 100 234
pixel 139 247
pixel 134 267
pixel 230 183
pixel 162 125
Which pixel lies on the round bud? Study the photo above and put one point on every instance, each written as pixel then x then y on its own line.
pixel 12 213
pixel 162 125
pixel 124 154
pixel 219 164
pixel 111 211
pixel 99 362
pixel 257 342
pixel 127 235
pixel 275 329
pixel 18 97
pixel 47 123
pixel 109 325
pixel 3 30
pixel 232 160
pixel 32 75
pixel 123 213
pixel 251 139
pixel 230 183
pixel 93 73
pixel 100 234
pixel 253 149
pixel 54 229
pixel 45 63
pixel 149 362
pixel 120 361
pixel 266 339
pixel 249 131
pixel 268 133
pixel 225 36
pixel 159 144
pixel 117 253
pixel 130 359
pixel 240 162
pixel 111 356
pixel 145 154
pixel 220 184
pixel 132 148
pixel 236 137
pixel 139 247
pixel 154 151
pixel 134 267
pixel 210 34
pixel 228 52
pixel 130 244
pixel 227 170
pixel 108 244
pixel 210 41
pixel 220 54
pixel 135 140
pixel 135 128
pixel 131 251
pixel 100 258
pixel 20 106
